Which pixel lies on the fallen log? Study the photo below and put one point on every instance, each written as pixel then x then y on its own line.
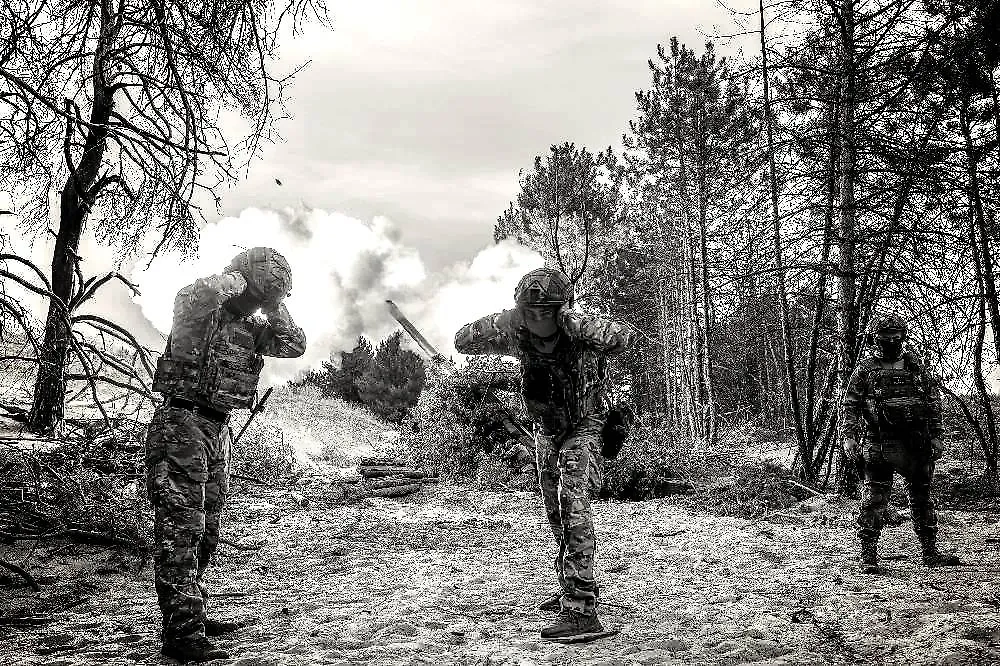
pixel 392 481
pixel 25 621
pixel 238 546
pixel 248 479
pixel 371 461
pixel 79 536
pixel 396 491
pixel 377 472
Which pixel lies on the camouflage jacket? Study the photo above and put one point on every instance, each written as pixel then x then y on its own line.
pixel 562 387
pixel 885 403
pixel 213 356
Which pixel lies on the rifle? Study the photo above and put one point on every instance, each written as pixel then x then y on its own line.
pixel 525 440
pixel 257 408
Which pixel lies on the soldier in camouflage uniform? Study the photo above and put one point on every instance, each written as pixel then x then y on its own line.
pixel 211 366
pixel 562 355
pixel 894 398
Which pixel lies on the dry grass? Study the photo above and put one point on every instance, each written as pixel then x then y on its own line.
pixel 315 428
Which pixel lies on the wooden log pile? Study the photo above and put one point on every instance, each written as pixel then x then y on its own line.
pixel 392 477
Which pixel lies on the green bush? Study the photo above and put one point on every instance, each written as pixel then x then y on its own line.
pixel 648 466
pixel 340 379
pixel 725 479
pixel 392 382
pixel 454 427
pixel 388 381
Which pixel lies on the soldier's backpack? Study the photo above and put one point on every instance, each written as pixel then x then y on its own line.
pixel 616 430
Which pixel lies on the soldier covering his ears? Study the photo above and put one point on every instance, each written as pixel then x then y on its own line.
pixel 894 401
pixel 562 355
pixel 211 366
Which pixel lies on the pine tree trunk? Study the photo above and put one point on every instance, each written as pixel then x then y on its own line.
pixel 991 441
pixel 812 432
pixel 979 217
pixel 847 236
pixel 791 385
pixel 710 406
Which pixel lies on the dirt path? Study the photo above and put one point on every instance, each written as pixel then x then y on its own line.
pixel 452 576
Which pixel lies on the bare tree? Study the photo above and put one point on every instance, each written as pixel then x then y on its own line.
pixel 117 106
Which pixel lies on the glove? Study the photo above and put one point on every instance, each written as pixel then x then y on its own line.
pixel 510 320
pixel 851 449
pixel 937 448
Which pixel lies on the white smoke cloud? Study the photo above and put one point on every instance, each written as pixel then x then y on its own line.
pixel 467 291
pixel 343 271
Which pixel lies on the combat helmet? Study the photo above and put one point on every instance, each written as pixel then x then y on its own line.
pixel 265 270
pixel 889 323
pixel 544 286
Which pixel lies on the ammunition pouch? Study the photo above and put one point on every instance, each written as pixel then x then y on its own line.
pixel 901 413
pixel 898 406
pixel 233 388
pixel 176 377
pixel 616 430
pixel 222 386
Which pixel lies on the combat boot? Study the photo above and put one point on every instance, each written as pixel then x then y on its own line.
pixel 195 648
pixel 573 625
pixel 869 557
pixel 552 603
pixel 215 627
pixel 935 558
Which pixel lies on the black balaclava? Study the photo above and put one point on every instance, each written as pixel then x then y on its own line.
pixel 889 349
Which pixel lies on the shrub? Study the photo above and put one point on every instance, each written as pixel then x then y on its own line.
pixel 262 452
pixel 726 479
pixel 340 379
pixel 455 428
pixel 393 381
pixel 388 381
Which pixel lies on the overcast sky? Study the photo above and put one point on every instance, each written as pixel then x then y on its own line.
pixel 425 111
pixel 406 137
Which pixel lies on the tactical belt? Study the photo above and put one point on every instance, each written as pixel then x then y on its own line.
pixel 196 408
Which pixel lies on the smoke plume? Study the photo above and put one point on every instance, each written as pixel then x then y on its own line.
pixel 343 271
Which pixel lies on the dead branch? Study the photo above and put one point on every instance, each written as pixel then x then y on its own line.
pixel 239 546
pixel 815 493
pixel 33 621
pixel 22 573
pixel 129 388
pixel 248 479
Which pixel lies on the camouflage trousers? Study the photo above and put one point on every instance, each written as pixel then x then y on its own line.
pixel 882 459
pixel 570 471
pixel 187 477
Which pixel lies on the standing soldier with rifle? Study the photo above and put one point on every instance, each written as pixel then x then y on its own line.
pixel 563 356
pixel 897 401
pixel 211 366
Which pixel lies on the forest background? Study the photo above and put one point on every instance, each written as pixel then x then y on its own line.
pixel 765 207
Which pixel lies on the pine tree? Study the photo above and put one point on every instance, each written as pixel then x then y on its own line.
pixel 341 379
pixel 353 365
pixel 392 382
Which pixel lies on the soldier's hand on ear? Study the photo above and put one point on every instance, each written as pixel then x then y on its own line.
pixel 937 448
pixel 512 319
pixel 564 311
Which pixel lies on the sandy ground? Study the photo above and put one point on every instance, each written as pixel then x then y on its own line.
pixel 452 576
